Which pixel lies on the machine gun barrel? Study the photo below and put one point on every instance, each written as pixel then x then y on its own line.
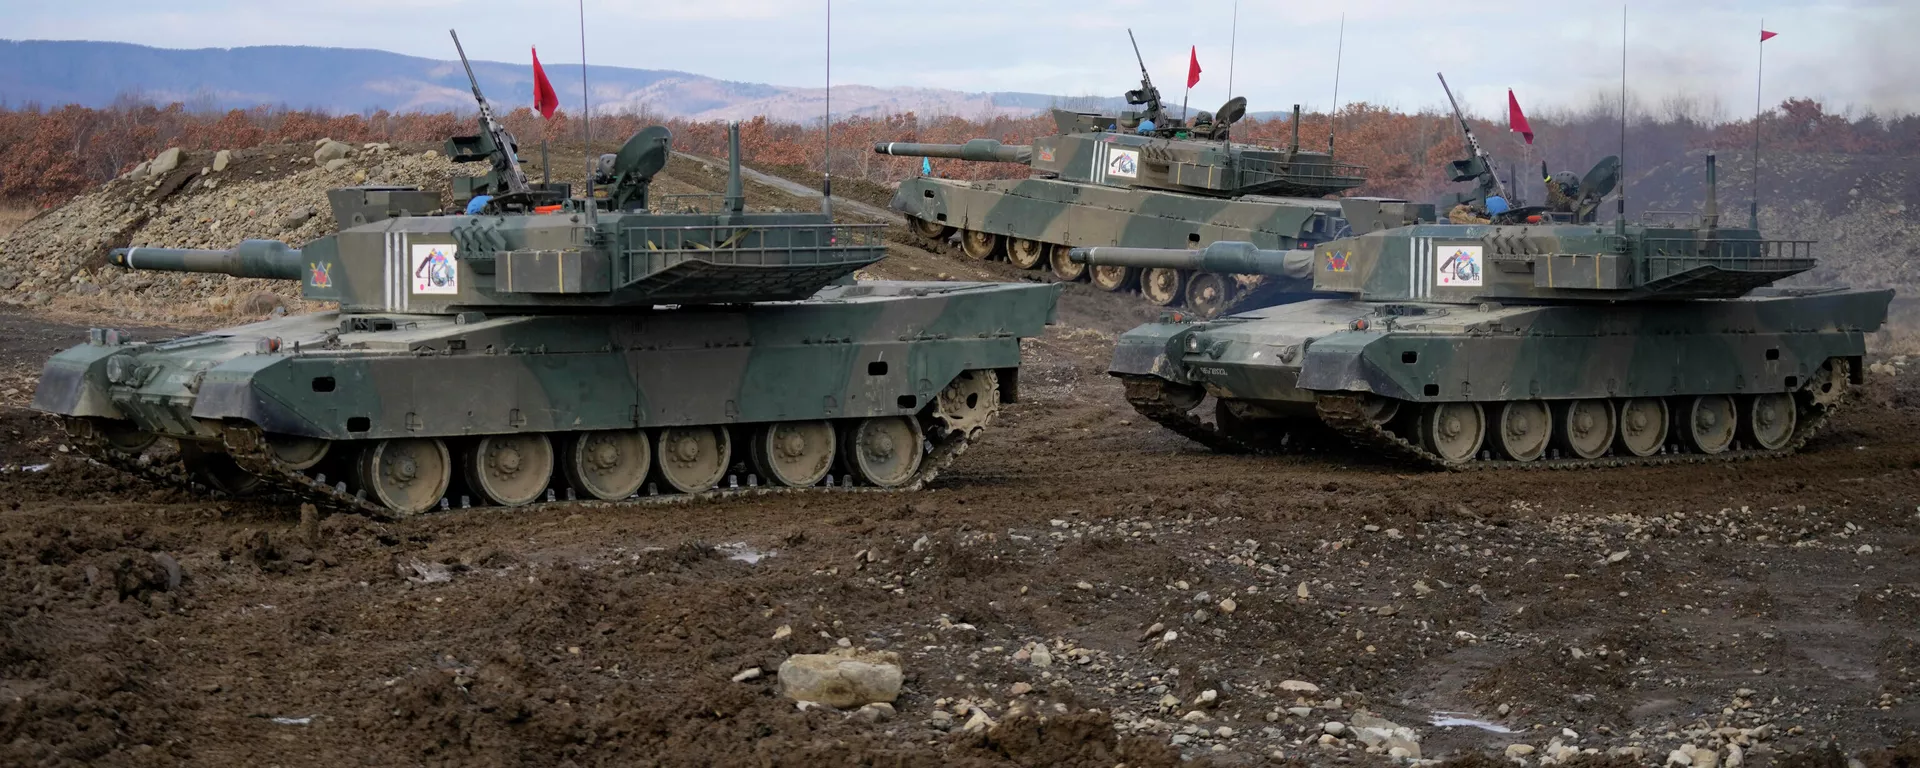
pixel 981 150
pixel 1225 257
pixel 516 179
pixel 1147 95
pixel 1472 143
pixel 269 259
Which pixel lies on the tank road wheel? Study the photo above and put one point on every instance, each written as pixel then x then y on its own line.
pixel 1024 253
pixel 1522 430
pixel 693 459
pixel 218 471
pixel 120 435
pixel 1109 278
pixel 1162 286
pixel 1379 410
pixel 967 404
pixel 1209 293
pixel 883 450
pixel 1643 426
pixel 795 454
pixel 1585 428
pixel 298 452
pixel 936 231
pixel 609 464
pixel 1453 431
pixel 1710 423
pixel 510 470
pixel 406 475
pixel 1063 267
pixel 980 245
pixel 1768 420
pixel 1829 383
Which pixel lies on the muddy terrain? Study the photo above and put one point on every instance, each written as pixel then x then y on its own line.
pixel 1081 588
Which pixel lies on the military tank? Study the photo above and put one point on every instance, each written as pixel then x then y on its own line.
pixel 594 347
pixel 1536 343
pixel 1138 179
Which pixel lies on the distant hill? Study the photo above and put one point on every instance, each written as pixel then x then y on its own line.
pixel 344 80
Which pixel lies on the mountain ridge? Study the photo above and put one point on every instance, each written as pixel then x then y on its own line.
pixel 352 80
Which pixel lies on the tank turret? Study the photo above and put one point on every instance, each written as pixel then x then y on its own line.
pixel 618 254
pixel 1094 149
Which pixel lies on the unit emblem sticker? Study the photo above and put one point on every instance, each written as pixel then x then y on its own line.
pixel 1046 154
pixel 1337 260
pixel 434 270
pixel 1123 163
pixel 321 274
pixel 1458 265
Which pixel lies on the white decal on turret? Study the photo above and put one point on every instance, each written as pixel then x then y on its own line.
pixel 433 269
pixel 1123 163
pixel 1458 265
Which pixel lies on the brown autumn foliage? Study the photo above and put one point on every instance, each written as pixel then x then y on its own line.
pixel 49 155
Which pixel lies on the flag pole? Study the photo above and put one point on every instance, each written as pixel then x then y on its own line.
pixel 1753 205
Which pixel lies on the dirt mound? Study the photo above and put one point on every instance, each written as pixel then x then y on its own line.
pixel 273 192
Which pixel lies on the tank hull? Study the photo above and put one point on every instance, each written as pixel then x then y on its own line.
pixel 849 354
pixel 1290 361
pixel 1061 214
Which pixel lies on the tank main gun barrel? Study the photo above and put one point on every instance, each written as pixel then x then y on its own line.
pixel 981 150
pixel 1225 257
pixel 269 259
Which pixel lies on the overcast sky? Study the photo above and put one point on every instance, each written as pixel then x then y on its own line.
pixel 1861 54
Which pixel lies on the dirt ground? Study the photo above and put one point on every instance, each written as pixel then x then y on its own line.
pixel 1191 606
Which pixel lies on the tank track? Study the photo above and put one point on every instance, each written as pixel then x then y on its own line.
pixel 248 447
pixel 169 473
pixel 1155 399
pixel 1346 416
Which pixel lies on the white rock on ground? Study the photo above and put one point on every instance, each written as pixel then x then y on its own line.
pixel 845 678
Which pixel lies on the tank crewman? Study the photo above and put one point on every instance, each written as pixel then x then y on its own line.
pixel 1561 188
pixel 1465 213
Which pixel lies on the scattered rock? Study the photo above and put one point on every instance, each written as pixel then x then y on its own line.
pixel 1020 689
pixel 1384 734
pixel 1680 757
pixel 330 150
pixel 336 164
pixel 1519 750
pixel 222 159
pixel 1228 606
pixel 1039 656
pixel 164 163
pixel 782 632
pixel 844 678
pixel 1333 727
pixel 1300 686
pixel 750 673
pixel 875 712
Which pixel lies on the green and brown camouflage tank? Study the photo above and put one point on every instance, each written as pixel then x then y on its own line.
pixel 541 348
pixel 1142 180
pixel 1510 345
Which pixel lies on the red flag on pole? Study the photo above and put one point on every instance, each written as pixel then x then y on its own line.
pixel 1517 120
pixel 545 101
pixel 1193 66
pixel 1765 35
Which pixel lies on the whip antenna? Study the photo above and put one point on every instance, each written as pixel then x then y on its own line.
pixel 826 179
pixel 1620 204
pixel 1339 53
pixel 586 115
pixel 1233 44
